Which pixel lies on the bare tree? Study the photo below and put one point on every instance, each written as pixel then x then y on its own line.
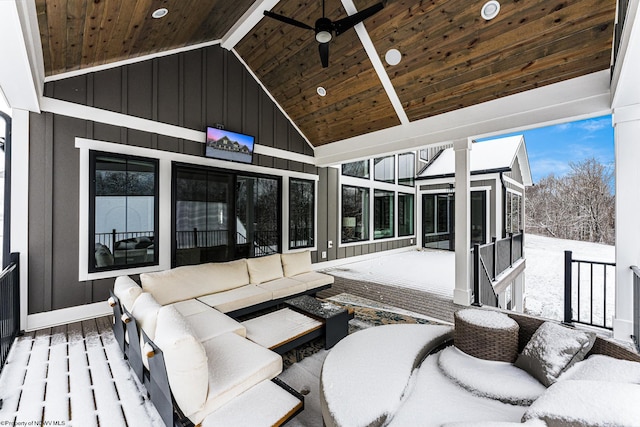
pixel 578 206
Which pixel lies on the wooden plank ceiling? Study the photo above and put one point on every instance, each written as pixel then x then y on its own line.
pixel 451 57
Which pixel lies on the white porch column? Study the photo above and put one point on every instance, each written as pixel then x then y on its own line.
pixel 462 292
pixel 626 122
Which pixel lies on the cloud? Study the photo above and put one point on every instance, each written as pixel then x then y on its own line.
pixel 541 167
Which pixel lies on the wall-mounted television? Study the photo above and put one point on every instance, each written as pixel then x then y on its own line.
pixel 225 145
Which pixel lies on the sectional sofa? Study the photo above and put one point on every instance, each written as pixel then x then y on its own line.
pixel 181 338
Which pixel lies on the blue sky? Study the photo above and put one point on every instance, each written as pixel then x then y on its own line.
pixel 551 148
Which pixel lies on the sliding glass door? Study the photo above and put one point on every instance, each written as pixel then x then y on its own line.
pixel 222 215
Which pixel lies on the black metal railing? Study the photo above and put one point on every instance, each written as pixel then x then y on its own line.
pixel 489 262
pixel 589 308
pixel 9 307
pixel 110 239
pixel 201 238
pixel 300 237
pixel 636 306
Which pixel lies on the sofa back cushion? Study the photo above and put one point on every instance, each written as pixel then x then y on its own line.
pixel 185 359
pixel 145 310
pixel 296 263
pixel 192 281
pixel 127 291
pixel 265 268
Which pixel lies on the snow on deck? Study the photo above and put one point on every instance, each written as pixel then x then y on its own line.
pixel 72 375
pixel 424 270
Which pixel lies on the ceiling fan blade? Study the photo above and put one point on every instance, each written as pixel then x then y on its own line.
pixel 342 25
pixel 324 54
pixel 287 20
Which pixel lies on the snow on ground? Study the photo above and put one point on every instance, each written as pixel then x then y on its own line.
pixel 544 276
pixel 433 271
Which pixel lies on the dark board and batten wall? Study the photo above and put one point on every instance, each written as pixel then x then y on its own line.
pixel 191 90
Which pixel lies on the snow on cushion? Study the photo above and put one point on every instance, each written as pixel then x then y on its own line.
pixel 283 287
pixel 313 279
pixel 185 359
pixel 207 322
pixel 265 268
pixel 365 376
pixel 598 367
pixel 192 281
pixel 296 263
pixel 235 365
pixel 529 423
pixel 235 299
pixel 587 403
pixel 552 349
pixel 495 380
pixel 126 290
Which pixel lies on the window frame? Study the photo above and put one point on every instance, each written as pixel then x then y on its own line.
pixel 413 213
pixel 368 207
pixel 92 269
pixel 386 195
pixel 312 235
pixel 394 161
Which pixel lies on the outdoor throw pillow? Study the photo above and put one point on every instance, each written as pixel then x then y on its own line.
pixel 552 349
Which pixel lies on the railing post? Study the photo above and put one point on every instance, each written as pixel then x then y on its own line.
pixel 476 275
pixel 522 244
pixel 195 237
pixel 510 249
pixel 113 240
pixel 494 273
pixel 567 287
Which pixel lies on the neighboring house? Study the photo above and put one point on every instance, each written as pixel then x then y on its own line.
pixel 499 174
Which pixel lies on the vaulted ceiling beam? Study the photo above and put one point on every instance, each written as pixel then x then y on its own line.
pixel 365 39
pixel 246 23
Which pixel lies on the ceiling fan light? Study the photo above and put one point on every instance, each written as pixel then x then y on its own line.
pixel 490 10
pixel 323 36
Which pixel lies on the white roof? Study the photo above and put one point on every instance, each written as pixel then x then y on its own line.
pixel 492 155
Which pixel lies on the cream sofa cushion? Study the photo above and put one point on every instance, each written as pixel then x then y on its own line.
pixel 127 291
pixel 207 322
pixel 145 311
pixel 283 287
pixel 192 281
pixel 296 263
pixel 314 279
pixel 265 268
pixel 235 299
pixel 235 365
pixel 185 359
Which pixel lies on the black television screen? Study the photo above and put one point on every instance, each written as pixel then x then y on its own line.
pixel 226 145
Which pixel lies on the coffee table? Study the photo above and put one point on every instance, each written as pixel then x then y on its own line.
pixel 335 319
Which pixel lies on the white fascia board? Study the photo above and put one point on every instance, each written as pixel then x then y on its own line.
pixel 22 71
pixel 247 21
pixel 625 89
pixel 578 98
pixel 93 114
pixel 371 51
pixel 128 61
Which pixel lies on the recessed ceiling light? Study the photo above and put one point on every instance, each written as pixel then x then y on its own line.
pixel 160 13
pixel 490 10
pixel 321 91
pixel 393 57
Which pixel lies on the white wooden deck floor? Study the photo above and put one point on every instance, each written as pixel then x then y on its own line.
pixel 72 375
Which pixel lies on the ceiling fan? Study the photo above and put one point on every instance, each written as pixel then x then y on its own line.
pixel 325 28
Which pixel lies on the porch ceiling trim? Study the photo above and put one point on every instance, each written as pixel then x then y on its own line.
pixel 579 98
pixel 624 83
pixel 246 23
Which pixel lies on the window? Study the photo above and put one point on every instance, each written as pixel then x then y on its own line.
pixel 513 217
pixel 382 214
pixel 406 169
pixel 355 214
pixel 123 212
pixel 384 169
pixel 301 213
pixel 356 169
pixel 257 216
pixel 405 214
